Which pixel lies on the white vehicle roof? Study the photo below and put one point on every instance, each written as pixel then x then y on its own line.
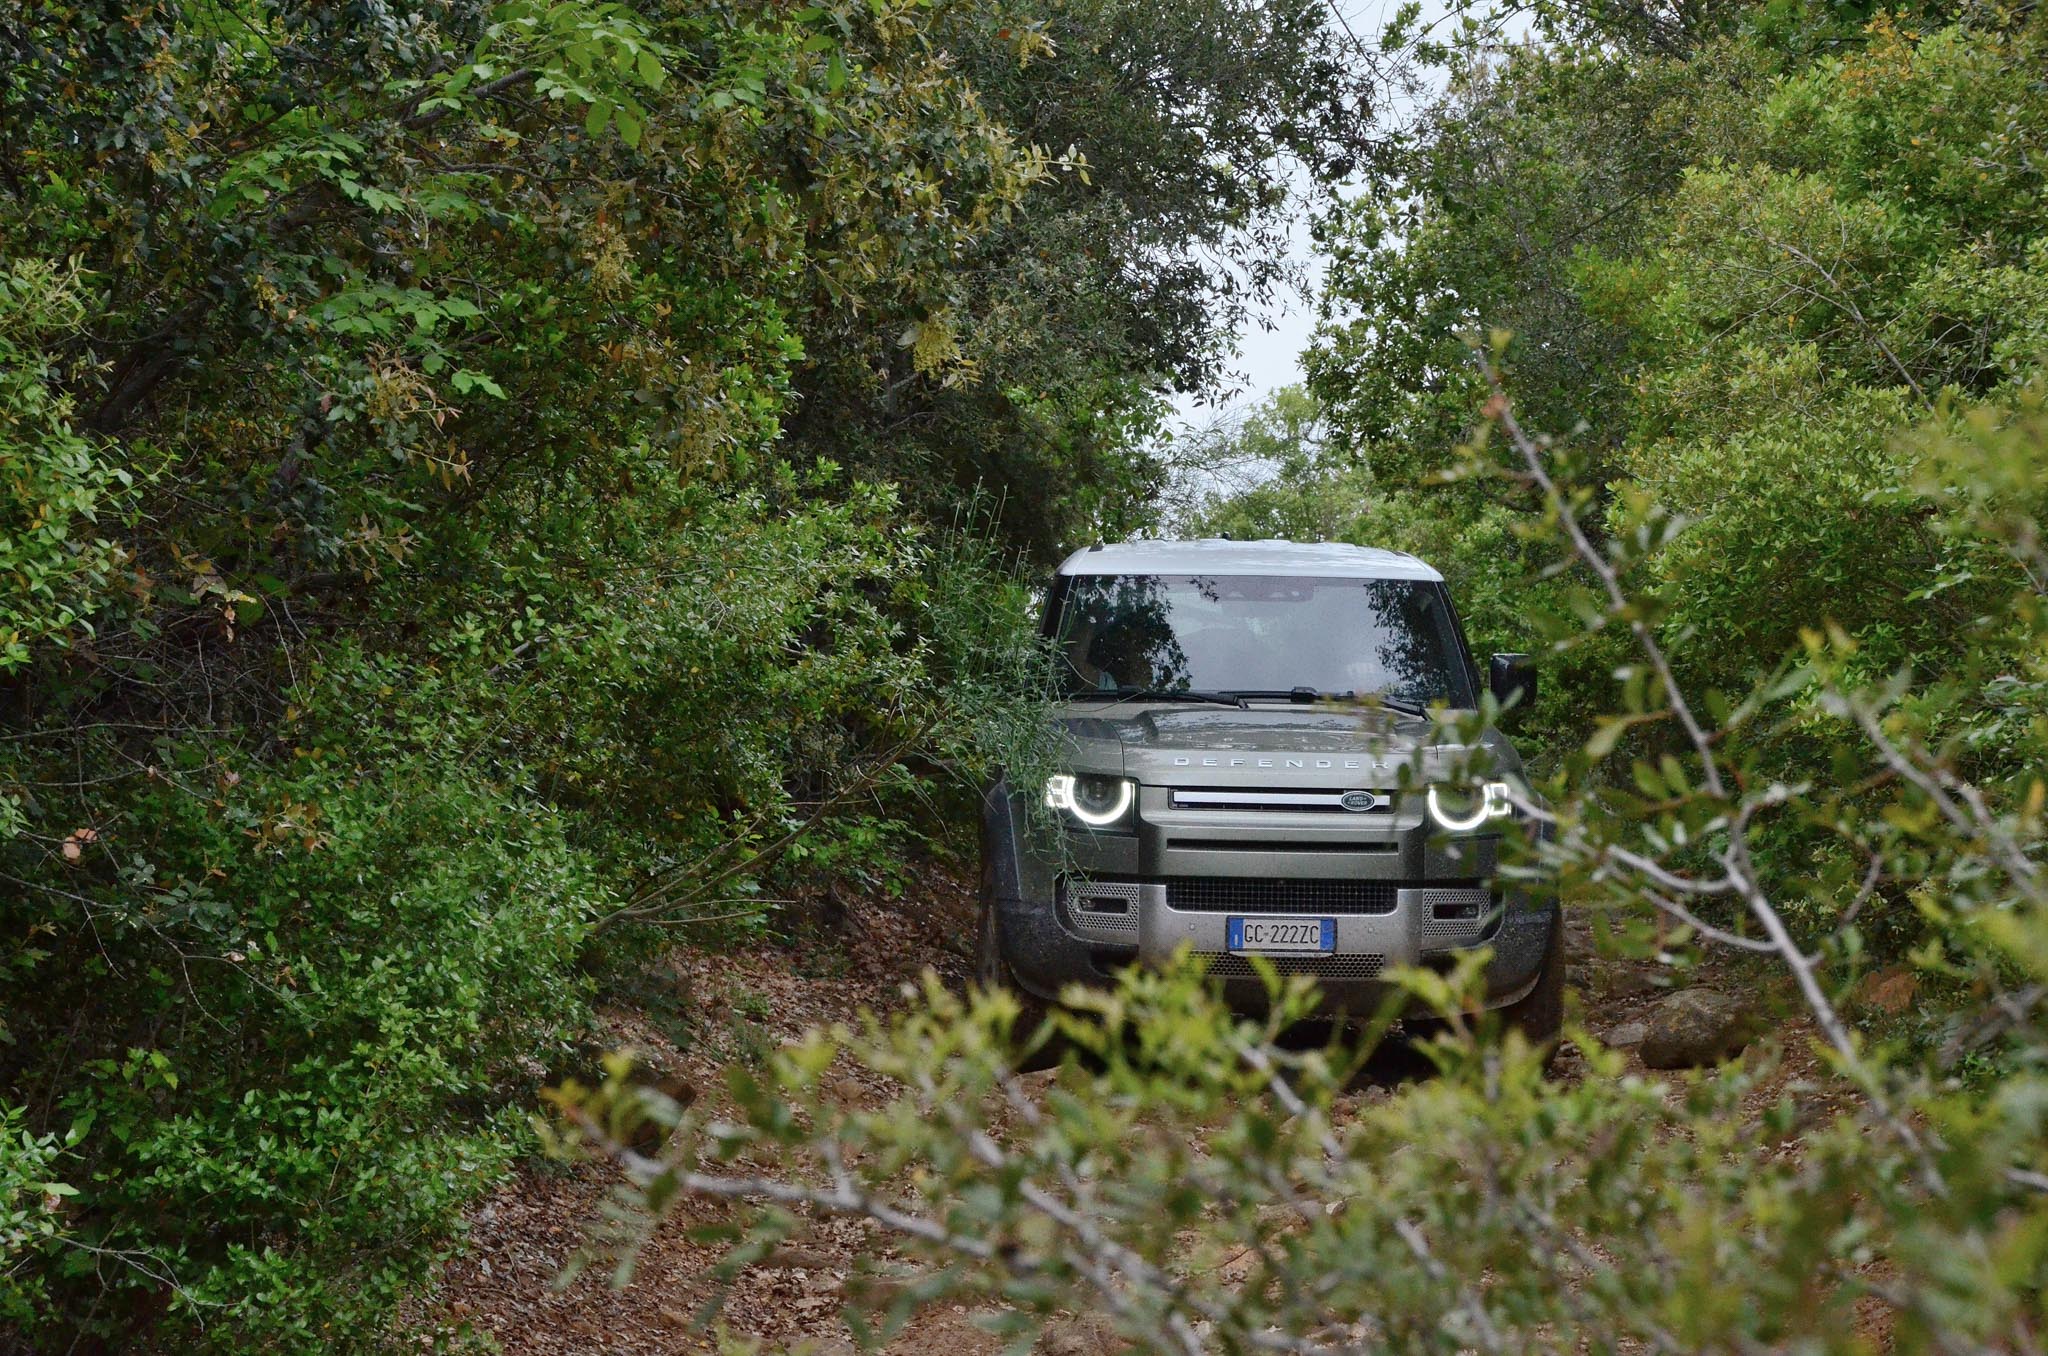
pixel 1218 555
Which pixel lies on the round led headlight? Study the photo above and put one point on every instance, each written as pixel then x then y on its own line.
pixel 1461 811
pixel 1091 798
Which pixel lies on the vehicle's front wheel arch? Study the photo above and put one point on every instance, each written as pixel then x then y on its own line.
pixel 1539 1013
pixel 1036 1045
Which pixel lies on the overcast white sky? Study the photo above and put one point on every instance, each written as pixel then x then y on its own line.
pixel 1269 358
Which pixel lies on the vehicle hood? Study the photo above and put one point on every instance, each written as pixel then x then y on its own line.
pixel 1322 746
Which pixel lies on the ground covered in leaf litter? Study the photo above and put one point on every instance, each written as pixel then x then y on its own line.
pixel 737 1004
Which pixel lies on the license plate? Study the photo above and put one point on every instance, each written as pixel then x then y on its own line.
pixel 1271 936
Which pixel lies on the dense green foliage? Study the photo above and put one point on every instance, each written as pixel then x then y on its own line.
pixel 1123 276
pixel 1708 348
pixel 481 483
pixel 1754 267
pixel 479 478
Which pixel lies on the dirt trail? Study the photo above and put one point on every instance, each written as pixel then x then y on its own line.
pixel 739 1004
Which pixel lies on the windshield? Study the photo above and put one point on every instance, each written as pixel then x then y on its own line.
pixel 1393 638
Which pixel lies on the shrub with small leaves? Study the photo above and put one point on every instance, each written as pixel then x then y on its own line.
pixel 32 1202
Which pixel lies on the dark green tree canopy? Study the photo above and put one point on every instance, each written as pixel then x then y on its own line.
pixel 481 475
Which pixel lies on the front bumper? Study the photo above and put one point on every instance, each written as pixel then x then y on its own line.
pixel 1074 907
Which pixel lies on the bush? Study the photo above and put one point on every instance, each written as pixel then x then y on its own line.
pixel 31 1212
pixel 295 1099
pixel 1201 1189
pixel 347 962
pixel 405 574
pixel 54 485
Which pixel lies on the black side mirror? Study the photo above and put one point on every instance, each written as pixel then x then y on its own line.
pixel 1513 680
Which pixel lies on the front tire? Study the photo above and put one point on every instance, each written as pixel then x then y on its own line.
pixel 1539 1013
pixel 1035 1045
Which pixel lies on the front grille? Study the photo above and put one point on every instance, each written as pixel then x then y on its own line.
pixel 1232 894
pixel 1269 845
pixel 1320 967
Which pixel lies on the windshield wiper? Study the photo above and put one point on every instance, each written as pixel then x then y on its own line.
pixel 1309 694
pixel 1156 694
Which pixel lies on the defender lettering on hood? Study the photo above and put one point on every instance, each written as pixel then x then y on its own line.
pixel 1319 764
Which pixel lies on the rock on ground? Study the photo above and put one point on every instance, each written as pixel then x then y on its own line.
pixel 1605 978
pixel 1697 1026
pixel 1087 1335
pixel 1627 1034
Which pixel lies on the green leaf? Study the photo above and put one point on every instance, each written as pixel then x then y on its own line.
pixel 1647 780
pixel 1606 737
pixel 467 379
